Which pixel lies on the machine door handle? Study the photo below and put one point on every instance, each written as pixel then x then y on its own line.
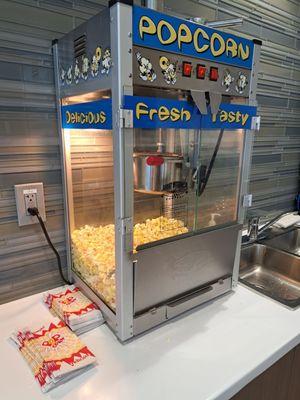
pixel 190 296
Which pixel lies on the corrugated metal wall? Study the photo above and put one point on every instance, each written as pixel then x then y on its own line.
pixel 29 150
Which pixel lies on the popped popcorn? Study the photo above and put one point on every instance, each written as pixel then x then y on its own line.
pixel 93 250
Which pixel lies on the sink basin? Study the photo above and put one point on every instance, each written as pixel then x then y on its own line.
pixel 271 272
pixel 289 241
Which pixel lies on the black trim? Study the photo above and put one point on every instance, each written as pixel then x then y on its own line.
pixel 113 2
pixel 54 41
pixel 257 41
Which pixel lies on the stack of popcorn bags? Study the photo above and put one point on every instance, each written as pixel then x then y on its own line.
pixel 54 353
pixel 74 308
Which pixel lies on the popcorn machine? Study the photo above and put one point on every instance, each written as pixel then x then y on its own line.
pixel 157 116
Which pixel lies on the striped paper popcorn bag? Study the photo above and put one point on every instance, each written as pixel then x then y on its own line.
pixel 54 353
pixel 73 307
pixel 40 373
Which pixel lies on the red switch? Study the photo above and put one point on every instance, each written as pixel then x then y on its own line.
pixel 201 70
pixel 187 69
pixel 213 74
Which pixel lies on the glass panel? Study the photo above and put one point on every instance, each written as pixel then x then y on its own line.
pixel 217 201
pixel 164 162
pixel 91 189
pixel 93 236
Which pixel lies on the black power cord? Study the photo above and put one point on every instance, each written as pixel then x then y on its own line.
pixel 35 212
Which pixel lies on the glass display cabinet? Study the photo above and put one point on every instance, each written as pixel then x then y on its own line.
pixel 157 116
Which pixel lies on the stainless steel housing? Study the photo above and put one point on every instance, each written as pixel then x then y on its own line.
pixel 288 241
pixel 188 83
pixel 183 265
pixel 271 272
pixel 157 176
pixel 167 278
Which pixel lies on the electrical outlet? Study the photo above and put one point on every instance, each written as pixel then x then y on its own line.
pixel 30 199
pixel 28 196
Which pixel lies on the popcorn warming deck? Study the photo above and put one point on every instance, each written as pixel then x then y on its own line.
pixel 93 250
pixel 53 352
pixel 74 308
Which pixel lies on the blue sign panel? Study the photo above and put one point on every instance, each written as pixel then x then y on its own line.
pixel 167 33
pixel 230 116
pixel 151 113
pixel 93 115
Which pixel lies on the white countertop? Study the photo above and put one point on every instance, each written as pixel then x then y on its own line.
pixel 209 354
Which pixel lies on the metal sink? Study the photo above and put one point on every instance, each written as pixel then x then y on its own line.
pixel 289 241
pixel 271 272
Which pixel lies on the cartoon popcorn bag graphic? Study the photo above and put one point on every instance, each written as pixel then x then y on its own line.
pixel 85 67
pixel 68 300
pixel 76 72
pixel 54 341
pixel 69 75
pixel 146 70
pixel 106 62
pixel 227 80
pixel 62 76
pixel 241 83
pixel 168 69
pixel 96 61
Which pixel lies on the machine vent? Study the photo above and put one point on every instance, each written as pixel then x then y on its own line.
pixel 80 46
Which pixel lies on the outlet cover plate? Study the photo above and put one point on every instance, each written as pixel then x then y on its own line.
pixel 35 194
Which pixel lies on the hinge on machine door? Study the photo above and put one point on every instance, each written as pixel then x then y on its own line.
pixel 126 225
pixel 255 123
pixel 126 118
pixel 126 229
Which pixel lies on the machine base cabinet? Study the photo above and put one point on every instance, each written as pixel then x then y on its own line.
pixel 280 382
